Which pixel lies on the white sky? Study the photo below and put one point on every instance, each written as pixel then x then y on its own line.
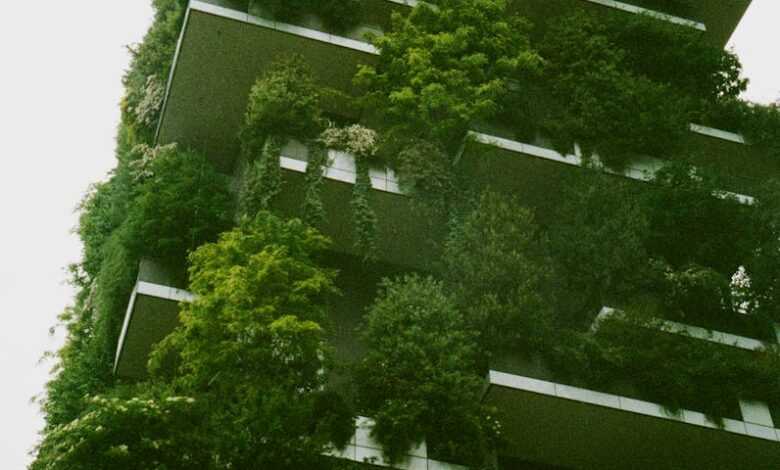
pixel 60 69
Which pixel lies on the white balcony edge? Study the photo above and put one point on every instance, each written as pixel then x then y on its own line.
pixel 696 332
pixel 753 412
pixel 646 11
pixel 308 33
pixel 363 448
pixel 643 172
pixel 344 176
pixel 617 402
pixel 152 290
pixel 717 133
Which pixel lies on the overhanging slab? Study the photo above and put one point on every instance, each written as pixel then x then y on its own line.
pixel 568 426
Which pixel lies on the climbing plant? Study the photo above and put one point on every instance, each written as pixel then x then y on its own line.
pixel 361 143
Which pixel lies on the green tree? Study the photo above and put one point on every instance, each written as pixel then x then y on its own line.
pixel 494 263
pixel 440 68
pixel 140 433
pixel 597 243
pixel 420 378
pixel 251 345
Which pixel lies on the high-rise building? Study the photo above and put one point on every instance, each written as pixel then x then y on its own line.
pixel 225 45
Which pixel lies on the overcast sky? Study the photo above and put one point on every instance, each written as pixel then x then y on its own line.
pixel 61 65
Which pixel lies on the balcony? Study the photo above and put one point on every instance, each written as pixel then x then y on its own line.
pixel 406 245
pixel 717 19
pixel 568 426
pixel 363 448
pixel 224 46
pixel 152 313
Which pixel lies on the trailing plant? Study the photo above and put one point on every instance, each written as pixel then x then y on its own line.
pixel 361 142
pixel 251 344
pixel 427 174
pixel 313 209
pixel 495 267
pixel 440 68
pixel 420 379
pixel 262 179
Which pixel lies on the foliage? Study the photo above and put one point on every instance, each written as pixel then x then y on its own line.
pixel 696 291
pixel 689 224
pixel 494 265
pixel 608 106
pixel 760 124
pixel 313 210
pixel 150 66
pixel 139 433
pixel 420 379
pixel 251 344
pixel 262 180
pixel 440 68
pixel 283 102
pixel 427 174
pixel 182 204
pixel 703 375
pixel 361 142
pixel 597 241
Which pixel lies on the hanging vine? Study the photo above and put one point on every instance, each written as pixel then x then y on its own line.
pixel 313 209
pixel 262 180
pixel 361 142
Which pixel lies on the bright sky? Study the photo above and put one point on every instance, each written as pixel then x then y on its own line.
pixel 60 69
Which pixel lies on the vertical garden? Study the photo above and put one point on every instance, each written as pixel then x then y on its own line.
pixel 251 378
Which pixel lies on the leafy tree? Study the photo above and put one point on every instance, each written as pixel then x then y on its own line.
pixel 688 223
pixel 251 344
pixel 597 243
pixel 440 68
pixel 607 106
pixel 283 102
pixel 494 264
pixel 183 202
pixel 420 379
pixel 141 433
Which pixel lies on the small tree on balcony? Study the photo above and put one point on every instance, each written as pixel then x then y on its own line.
pixel 251 345
pixel 420 379
pixel 440 68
